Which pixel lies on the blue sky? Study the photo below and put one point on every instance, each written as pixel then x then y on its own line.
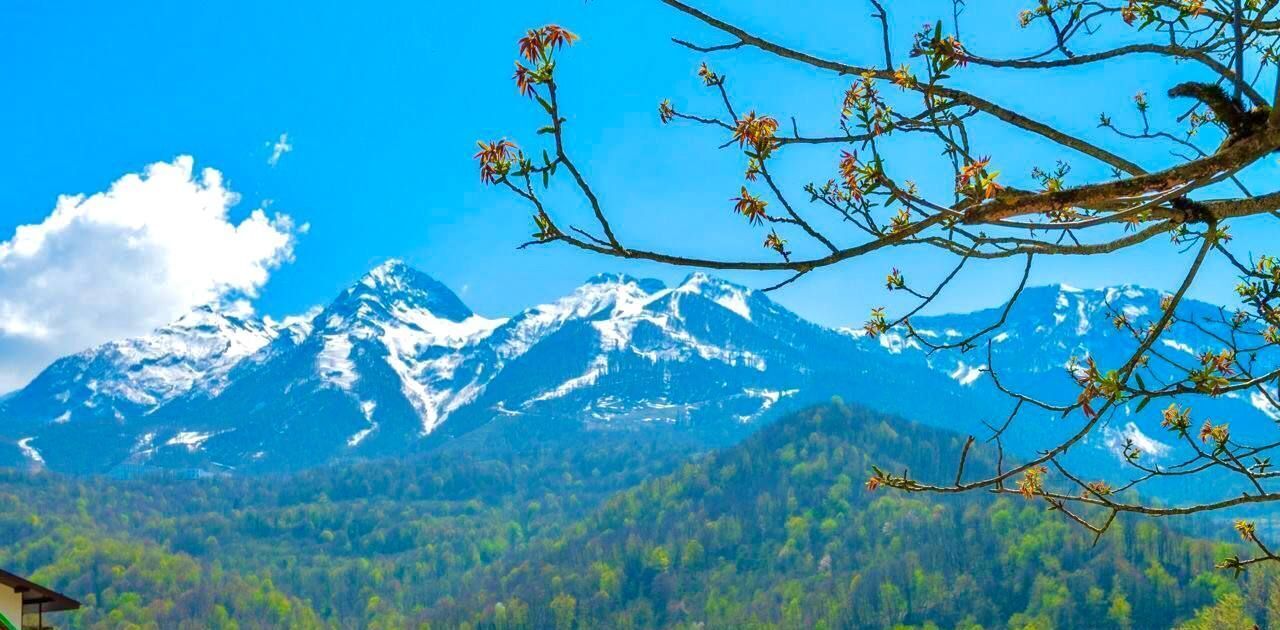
pixel 383 106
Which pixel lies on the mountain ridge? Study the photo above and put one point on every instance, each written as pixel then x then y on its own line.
pixel 397 362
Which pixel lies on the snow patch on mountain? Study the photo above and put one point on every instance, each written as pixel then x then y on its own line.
pixel 615 334
pixel 432 406
pixel 966 374
pixel 1082 326
pixel 420 378
pixel 1115 439
pixel 895 342
pixel 422 328
pixel 200 347
pixel 334 364
pixel 623 299
pixel 616 306
pixel 599 367
pixel 132 377
pixel 367 409
pixel 686 346
pixel 192 440
pixel 30 451
pixel 1128 291
pixel 731 297
pixel 769 396
pixel 144 446
pixel 297 327
pixel 1133 312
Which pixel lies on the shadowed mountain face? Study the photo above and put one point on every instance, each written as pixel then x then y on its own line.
pixel 398 363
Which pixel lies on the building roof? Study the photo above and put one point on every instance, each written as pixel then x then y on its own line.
pixel 36 596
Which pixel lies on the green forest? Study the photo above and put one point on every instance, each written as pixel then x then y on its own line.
pixel 617 531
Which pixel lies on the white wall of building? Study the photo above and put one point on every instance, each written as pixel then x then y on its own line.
pixel 10 607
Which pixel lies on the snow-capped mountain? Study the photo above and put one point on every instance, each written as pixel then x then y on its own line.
pixel 619 350
pixel 398 363
pixel 1047 328
pixel 383 365
pixel 125 379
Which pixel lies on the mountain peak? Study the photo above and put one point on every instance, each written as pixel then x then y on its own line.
pixel 392 273
pixel 1063 296
pixel 648 285
pixel 216 316
pixel 396 285
pixel 731 296
pixel 1127 290
pixel 701 282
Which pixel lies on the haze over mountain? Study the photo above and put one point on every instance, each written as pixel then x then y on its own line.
pixel 398 363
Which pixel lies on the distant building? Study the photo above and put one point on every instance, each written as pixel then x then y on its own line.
pixel 19 596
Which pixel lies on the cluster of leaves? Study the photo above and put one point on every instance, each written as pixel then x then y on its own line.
pixel 1177 419
pixel 1214 371
pixel 500 161
pixel 495 159
pixel 1144 13
pixel 1259 289
pixel 863 107
pixel 750 206
pixel 757 134
pixel 1032 482
pixel 778 244
pixel 976 182
pixel 857 178
pixel 537 47
pixel 1095 383
pixel 1139 9
pixel 943 52
pixel 1043 10
pixel 877 324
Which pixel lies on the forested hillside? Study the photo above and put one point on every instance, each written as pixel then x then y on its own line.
pixel 780 532
pixel 616 532
pixel 366 545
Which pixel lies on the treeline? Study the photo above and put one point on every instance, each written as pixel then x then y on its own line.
pixel 611 531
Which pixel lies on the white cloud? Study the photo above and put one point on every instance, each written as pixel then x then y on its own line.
pixel 279 148
pixel 122 262
pixel 1262 402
